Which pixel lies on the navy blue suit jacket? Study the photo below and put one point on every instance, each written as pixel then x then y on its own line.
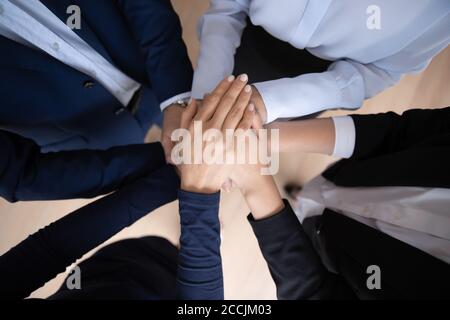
pixel 135 269
pixel 28 174
pixel 43 99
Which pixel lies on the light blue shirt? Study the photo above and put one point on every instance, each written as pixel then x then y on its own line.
pixel 367 60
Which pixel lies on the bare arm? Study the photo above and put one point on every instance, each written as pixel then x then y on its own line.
pixel 312 136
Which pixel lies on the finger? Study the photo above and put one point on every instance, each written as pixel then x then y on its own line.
pixel 247 119
pixel 211 100
pixel 168 146
pixel 226 186
pixel 234 117
pixel 228 100
pixel 257 122
pixel 188 114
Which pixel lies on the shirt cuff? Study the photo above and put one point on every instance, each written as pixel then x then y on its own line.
pixel 345 137
pixel 174 99
pixel 272 113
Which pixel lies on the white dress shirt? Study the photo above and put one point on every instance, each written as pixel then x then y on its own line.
pixel 417 216
pixel 367 61
pixel 414 215
pixel 30 23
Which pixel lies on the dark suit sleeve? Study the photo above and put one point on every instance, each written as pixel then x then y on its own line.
pixel 48 252
pixel 295 266
pixel 380 134
pixel 199 264
pixel 157 28
pixel 28 174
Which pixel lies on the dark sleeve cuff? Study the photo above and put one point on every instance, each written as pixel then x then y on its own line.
pixel 284 220
pixel 199 198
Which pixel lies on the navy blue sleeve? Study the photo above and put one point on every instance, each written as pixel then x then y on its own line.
pixel 157 28
pixel 200 265
pixel 48 252
pixel 27 174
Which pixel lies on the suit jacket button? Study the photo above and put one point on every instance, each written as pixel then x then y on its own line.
pixel 88 84
pixel 319 228
pixel 119 111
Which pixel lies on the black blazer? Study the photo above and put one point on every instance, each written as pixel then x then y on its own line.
pixel 391 150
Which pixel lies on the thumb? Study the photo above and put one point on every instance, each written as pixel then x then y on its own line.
pixel 257 123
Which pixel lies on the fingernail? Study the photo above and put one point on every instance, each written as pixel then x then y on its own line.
pixel 231 78
pixel 251 107
pixel 248 88
pixel 243 77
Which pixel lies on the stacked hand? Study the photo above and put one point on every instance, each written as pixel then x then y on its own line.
pixel 172 120
pixel 228 109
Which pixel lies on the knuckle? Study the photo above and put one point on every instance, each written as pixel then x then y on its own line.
pixel 247 120
pixel 233 94
pixel 227 125
pixel 235 113
pixel 244 101
pixel 201 112
pixel 213 124
pixel 247 116
pixel 213 98
pixel 228 98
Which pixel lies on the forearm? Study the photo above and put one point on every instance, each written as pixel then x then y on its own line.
pixel 385 133
pixel 344 85
pixel 28 174
pixel 86 173
pixel 52 249
pixel 306 136
pixel 293 263
pixel 199 264
pixel 220 30
pixel 262 196
pixel 157 29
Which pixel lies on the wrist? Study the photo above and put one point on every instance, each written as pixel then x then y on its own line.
pixel 173 108
pixel 263 197
pixel 260 106
pixel 195 188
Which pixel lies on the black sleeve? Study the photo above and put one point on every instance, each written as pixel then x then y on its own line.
pixel 48 252
pixel 380 134
pixel 295 267
pixel 27 174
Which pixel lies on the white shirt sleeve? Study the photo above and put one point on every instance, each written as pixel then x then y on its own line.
pixel 345 85
pixel 345 137
pixel 220 31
